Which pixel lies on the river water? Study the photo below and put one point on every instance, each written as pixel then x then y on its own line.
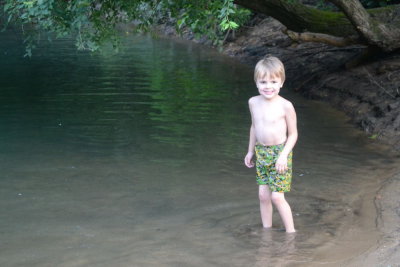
pixel 136 159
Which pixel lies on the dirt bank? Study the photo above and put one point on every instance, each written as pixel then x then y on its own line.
pixel 387 250
pixel 368 94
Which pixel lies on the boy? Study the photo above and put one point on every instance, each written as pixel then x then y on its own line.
pixel 273 134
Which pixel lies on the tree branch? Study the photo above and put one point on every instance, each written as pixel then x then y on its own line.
pixel 322 38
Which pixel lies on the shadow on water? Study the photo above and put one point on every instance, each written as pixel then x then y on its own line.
pixel 135 159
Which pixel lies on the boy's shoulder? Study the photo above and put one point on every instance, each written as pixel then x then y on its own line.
pixel 285 102
pixel 255 99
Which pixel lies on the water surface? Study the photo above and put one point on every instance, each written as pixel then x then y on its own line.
pixel 136 159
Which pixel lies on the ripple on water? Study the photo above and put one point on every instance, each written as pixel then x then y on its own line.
pixel 317 222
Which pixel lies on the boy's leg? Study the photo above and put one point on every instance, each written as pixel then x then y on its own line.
pixel 284 209
pixel 264 195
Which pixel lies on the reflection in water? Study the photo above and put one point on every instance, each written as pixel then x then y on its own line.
pixel 135 159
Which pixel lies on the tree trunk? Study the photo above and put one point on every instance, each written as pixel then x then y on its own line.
pixel 374 30
pixel 299 18
pixel 377 27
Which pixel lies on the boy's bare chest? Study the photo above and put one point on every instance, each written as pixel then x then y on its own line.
pixel 269 115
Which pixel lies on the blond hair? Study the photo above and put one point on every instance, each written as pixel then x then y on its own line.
pixel 271 67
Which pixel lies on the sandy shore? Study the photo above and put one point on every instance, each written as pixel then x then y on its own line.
pixel 387 250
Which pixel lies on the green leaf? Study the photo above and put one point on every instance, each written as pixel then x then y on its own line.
pixel 233 25
pixel 28 4
pixel 181 23
pixel 374 136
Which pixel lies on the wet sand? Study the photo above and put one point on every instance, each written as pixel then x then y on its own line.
pixel 386 252
pixel 372 236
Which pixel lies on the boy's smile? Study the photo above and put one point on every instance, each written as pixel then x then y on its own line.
pixel 269 87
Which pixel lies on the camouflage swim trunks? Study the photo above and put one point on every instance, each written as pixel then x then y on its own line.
pixel 266 171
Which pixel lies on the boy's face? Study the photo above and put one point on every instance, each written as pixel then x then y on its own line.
pixel 269 86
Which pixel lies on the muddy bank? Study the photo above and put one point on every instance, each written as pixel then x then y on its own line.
pixel 386 251
pixel 369 94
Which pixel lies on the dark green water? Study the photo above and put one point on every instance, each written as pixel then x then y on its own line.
pixel 136 159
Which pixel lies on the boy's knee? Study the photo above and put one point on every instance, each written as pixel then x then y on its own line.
pixel 278 198
pixel 265 197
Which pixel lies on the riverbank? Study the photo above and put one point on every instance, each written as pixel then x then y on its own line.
pixel 369 94
pixel 387 250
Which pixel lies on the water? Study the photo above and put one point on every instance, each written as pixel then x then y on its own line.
pixel 136 159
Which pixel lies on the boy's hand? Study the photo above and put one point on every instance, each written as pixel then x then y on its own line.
pixel 248 160
pixel 281 164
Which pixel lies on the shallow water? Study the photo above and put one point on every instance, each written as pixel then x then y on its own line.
pixel 135 159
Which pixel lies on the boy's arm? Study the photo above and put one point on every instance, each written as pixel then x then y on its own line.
pixel 252 142
pixel 250 152
pixel 291 122
pixel 252 139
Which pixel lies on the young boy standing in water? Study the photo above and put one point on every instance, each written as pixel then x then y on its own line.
pixel 273 134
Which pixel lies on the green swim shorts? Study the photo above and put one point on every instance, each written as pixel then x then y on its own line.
pixel 266 171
